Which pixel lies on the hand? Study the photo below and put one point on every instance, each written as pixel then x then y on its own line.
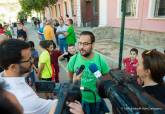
pixel 65 53
pixel 75 108
pixel 77 77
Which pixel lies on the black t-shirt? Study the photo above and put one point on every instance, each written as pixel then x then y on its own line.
pixel 157 91
pixel 67 56
pixel 21 33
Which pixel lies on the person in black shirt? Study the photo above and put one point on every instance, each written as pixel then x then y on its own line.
pixel 151 71
pixel 69 54
pixel 21 31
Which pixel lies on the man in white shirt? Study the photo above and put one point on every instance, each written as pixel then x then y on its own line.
pixel 61 37
pixel 16 60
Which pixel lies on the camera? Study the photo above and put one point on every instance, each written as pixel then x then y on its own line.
pixel 127 97
pixel 67 92
pixel 122 90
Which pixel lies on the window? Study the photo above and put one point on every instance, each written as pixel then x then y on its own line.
pixel 131 8
pixel 59 9
pixel 56 10
pixel 65 8
pixel 72 7
pixel 95 7
pixel 159 8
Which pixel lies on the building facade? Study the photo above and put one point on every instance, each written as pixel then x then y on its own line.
pixel 146 15
pixel 62 8
pixel 144 22
pixel 83 12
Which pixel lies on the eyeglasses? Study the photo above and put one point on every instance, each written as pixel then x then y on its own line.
pixel 83 43
pixel 29 60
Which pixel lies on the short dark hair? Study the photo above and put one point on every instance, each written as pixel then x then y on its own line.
pixel 1 25
pixel 31 43
pixel 90 34
pixel 67 15
pixel 6 106
pixel 135 50
pixel 45 44
pixel 155 61
pixel 10 52
pixel 71 21
pixel 54 45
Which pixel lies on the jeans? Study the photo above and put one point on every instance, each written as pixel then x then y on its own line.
pixel 63 45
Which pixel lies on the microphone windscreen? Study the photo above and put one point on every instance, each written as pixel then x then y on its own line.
pixel 93 67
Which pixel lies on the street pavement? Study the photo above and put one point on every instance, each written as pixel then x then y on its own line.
pixel 32 36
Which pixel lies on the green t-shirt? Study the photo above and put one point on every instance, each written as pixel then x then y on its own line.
pixel 88 79
pixel 71 37
pixel 47 70
pixel 8 33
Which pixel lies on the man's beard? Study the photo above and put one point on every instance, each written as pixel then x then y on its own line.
pixel 24 70
pixel 87 54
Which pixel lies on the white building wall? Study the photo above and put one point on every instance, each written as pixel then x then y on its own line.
pixel 103 12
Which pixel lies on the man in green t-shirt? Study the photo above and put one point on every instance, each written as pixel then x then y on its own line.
pixel 70 34
pixel 87 57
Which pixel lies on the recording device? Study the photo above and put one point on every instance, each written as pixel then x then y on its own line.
pixel 127 97
pixel 93 68
pixel 42 86
pixel 67 93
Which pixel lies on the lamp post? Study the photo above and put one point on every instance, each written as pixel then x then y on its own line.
pixel 123 10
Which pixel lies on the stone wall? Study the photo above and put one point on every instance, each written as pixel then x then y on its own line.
pixel 137 38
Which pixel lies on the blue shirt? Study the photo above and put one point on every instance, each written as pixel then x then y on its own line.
pixel 61 29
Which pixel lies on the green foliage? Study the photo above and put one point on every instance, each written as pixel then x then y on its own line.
pixel 22 15
pixel 26 5
pixel 37 5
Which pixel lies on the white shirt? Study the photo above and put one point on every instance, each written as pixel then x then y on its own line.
pixel 31 103
pixel 61 29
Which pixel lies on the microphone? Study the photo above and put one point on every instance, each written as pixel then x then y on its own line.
pixel 93 68
pixel 79 70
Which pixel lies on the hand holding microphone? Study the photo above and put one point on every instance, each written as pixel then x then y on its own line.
pixel 78 73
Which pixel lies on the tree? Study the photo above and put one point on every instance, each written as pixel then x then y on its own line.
pixel 26 5
pixel 37 5
pixel 22 15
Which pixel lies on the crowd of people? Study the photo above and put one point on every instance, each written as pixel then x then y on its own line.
pixel 22 64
